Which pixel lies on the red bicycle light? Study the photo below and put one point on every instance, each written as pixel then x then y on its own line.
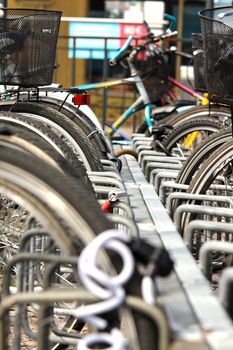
pixel 81 99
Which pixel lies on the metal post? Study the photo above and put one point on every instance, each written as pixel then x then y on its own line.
pixel 105 76
pixel 180 36
pixel 209 4
pixel 73 63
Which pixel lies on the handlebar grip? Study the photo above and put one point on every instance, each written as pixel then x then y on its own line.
pixel 169 35
pixel 172 21
pixel 184 54
pixel 121 53
pixel 225 14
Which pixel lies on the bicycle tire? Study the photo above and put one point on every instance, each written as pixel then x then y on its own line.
pixel 43 113
pixel 197 158
pixel 89 128
pixel 19 136
pixel 217 111
pixel 207 174
pixel 74 197
pixel 40 130
pixel 175 119
pixel 28 178
pixel 208 125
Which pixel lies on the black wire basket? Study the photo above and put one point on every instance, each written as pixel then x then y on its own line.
pixel 218 47
pixel 200 83
pixel 153 70
pixel 28 40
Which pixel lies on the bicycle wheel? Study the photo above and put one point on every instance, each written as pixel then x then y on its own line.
pixel 30 185
pixel 15 135
pixel 94 134
pixel 187 136
pixel 198 157
pixel 38 129
pixel 66 128
pixel 72 190
pixel 217 170
pixel 221 113
pixel 26 182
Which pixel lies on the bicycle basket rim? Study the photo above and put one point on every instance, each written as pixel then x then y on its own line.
pixel 201 14
pixel 29 9
pixel 34 12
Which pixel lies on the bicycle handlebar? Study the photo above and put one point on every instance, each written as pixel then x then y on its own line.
pixel 125 52
pixel 225 14
pixel 180 53
pixel 122 52
pixel 172 21
pixel 166 36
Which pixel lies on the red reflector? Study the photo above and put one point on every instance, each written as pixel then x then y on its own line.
pixel 106 207
pixel 82 99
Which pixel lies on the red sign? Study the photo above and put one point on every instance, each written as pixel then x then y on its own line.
pixel 136 30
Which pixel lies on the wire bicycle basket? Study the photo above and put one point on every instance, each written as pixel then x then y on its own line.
pixel 217 32
pixel 153 71
pixel 200 83
pixel 28 40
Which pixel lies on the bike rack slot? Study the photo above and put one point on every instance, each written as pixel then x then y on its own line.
pixel 158 177
pixel 203 197
pixel 205 255
pixel 156 165
pixel 171 186
pixel 145 147
pixel 200 209
pixel 155 174
pixel 165 160
pixel 204 225
pixel 148 152
pixel 225 290
pixel 124 224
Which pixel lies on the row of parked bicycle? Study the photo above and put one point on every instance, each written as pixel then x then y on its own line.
pixel 75 270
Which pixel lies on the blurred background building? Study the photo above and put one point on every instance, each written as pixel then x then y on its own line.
pixel 78 70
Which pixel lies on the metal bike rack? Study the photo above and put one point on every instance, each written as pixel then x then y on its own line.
pixel 200 209
pixel 124 224
pixel 148 152
pixel 156 165
pixel 158 159
pixel 157 178
pixel 145 147
pixel 209 226
pixel 206 250
pixel 196 318
pixel 203 197
pixel 170 185
pixel 225 290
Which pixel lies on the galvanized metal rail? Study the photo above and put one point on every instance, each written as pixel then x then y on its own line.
pixel 197 320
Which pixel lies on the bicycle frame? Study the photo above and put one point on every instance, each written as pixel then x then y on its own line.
pixel 184 88
pixel 141 102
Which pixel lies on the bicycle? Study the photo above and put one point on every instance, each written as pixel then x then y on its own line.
pixel 154 74
pixel 29 72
